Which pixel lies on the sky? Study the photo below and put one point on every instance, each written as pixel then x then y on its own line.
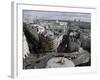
pixel 51 15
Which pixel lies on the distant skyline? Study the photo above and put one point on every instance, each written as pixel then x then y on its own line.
pixel 30 15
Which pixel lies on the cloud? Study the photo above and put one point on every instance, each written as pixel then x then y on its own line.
pixel 49 15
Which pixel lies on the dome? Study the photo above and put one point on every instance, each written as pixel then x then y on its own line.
pixel 55 63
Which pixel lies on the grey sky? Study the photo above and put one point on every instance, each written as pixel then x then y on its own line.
pixel 49 15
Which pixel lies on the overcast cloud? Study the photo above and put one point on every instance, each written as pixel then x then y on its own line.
pixel 50 15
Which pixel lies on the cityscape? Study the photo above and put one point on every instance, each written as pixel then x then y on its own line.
pixel 54 39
